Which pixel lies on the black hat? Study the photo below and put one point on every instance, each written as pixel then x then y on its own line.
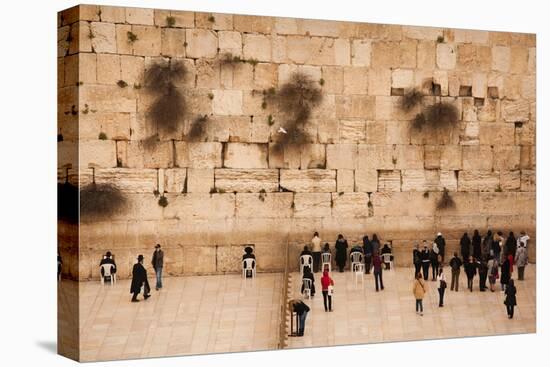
pixel 140 258
pixel 157 245
pixel 108 254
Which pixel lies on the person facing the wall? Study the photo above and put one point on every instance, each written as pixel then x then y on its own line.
pixel 455 264
pixel 107 259
pixel 158 262
pixel 483 270
pixel 341 252
pixel 476 246
pixel 377 269
pixel 434 260
pixel 248 254
pixel 492 271
pixel 367 251
pixel 465 243
pixel 440 241
pixel 139 279
pixel 521 261
pixel 316 251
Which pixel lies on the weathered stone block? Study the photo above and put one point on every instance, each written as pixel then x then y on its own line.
pixel 131 69
pixel 201 43
pixel 270 205
pixel 230 42
pixel 501 58
pixel 375 157
pixel 257 47
pixel 125 179
pixel 446 56
pixel 341 156
pixel 428 180
pixel 148 42
pixel 473 180
pixel 333 77
pixel 345 180
pixel 108 69
pixel 510 180
pixel 506 157
pixel 253 24
pixel 380 81
pixel 355 106
pixel 198 155
pixel 247 180
pixel 140 16
pixel 312 205
pixel 176 181
pixel 360 52
pixel 240 155
pixel 112 14
pixel 98 152
pixel 366 180
pixel 350 205
pixel 402 78
pixel 200 180
pixel 103 37
pixel 227 102
pixel 355 80
pixel 496 134
pixel 528 180
pixel 477 157
pixel 527 157
pixel 173 40
pixel 199 260
pixel 310 50
pixel 409 157
pixel 515 111
pixel 389 180
pixel 352 131
pixel 115 126
pixel 134 154
pixel 311 180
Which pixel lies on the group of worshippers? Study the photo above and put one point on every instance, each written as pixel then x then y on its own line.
pixel 492 258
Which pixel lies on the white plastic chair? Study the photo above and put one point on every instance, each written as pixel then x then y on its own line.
pixel 249 264
pixel 306 260
pixel 359 271
pixel 356 258
pixel 386 259
pixel 326 258
pixel 307 287
pixel 107 269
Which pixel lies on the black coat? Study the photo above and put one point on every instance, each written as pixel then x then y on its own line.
pixel 505 272
pixel 341 254
pixel 139 278
pixel 425 255
pixel 510 293
pixel 416 256
pixel 455 263
pixel 158 259
pixel 476 245
pixel 511 246
pixel 300 307
pixel 108 260
pixel 312 278
pixel 367 246
pixel 441 245
pixel 470 269
pixel 465 243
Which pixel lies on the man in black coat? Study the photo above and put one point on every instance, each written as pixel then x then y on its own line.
pixel 465 243
pixel 108 259
pixel 440 241
pixel 139 279
pixel 426 261
pixel 367 250
pixel 158 263
pixel 470 268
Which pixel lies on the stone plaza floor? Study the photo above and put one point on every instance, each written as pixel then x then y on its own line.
pixel 362 315
pixel 190 315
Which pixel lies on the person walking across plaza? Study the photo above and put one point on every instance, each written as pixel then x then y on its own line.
pixel 341 252
pixel 316 251
pixel 510 300
pixel 425 258
pixel 377 270
pixel 483 270
pixel 521 261
pixel 470 270
pixel 327 285
pixel 441 286
pixel 419 290
pixel 505 274
pixel 158 263
pixel 139 279
pixel 492 271
pixel 455 264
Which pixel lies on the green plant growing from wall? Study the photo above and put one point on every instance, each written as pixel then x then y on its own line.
pixel 132 37
pixel 170 21
pixel 122 84
pixel 262 195
pixel 163 201
pixel 211 19
pixel 102 136
pixel 168 109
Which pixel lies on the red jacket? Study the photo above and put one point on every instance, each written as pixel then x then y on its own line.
pixel 325 282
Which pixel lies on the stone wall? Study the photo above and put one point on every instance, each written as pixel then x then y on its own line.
pixel 365 169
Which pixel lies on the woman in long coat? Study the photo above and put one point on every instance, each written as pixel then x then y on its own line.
pixel 504 274
pixel 476 245
pixel 341 252
pixel 139 279
pixel 465 243
pixel 510 300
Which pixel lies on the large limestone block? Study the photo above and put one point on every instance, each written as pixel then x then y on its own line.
pixel 426 56
pixel 501 58
pixel 270 205
pixel 123 45
pixel 140 16
pixel 311 180
pixel 253 24
pixel 341 156
pixel 227 102
pixel 519 58
pixel 114 125
pixel 131 69
pixel 200 206
pixel 304 156
pixel 148 42
pixel 199 180
pixel 428 180
pixel 199 260
pixel 472 57
pixel 389 54
pixel 108 69
pixel 208 74
pixel 198 155
pixel 247 180
pixel 107 98
pixel 242 155
pixel 506 157
pixel 125 179
pixel 333 77
pixel 355 80
pixel 515 111
pixel 310 50
pixel 229 258
pixel 312 205
pixel 446 56
pixel 490 111
pixel 230 42
pixel 201 43
pixel 257 47
pixel 422 33
pixel 355 106
pixel 350 205
pixel 402 78
pixel 352 131
pixel 478 180
pixel 375 157
pixel 527 157
pixel 471 36
pixel 380 81
pixel 477 157
pixel 376 133
pixel 342 51
pixel 496 134
pixel 345 180
pixel 470 134
pixel 112 14
pixel 103 37
pixel 366 180
pixel 389 180
pixel 409 157
pixel 98 152
pixel 361 52
pixel 173 40
pixel 176 180
pixel 528 180
pixel 510 180
pixel 133 154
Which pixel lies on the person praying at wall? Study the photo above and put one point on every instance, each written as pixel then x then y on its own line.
pixel 341 252
pixel 316 251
